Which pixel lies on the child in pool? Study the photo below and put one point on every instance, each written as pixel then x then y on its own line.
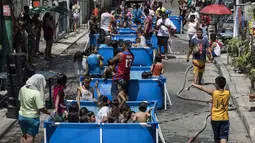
pixel 89 117
pixel 132 118
pixel 142 116
pixel 158 68
pixel 83 111
pixel 103 104
pixel 73 114
pixel 125 110
pixel 109 70
pixel 140 41
pixel 114 108
pixel 112 119
pixel 85 92
pixel 146 75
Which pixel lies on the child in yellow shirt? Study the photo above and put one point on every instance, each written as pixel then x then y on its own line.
pixel 219 111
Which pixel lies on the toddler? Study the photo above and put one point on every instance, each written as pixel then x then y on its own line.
pixel 158 68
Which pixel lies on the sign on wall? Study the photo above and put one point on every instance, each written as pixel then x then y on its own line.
pixel 6 10
pixel 36 3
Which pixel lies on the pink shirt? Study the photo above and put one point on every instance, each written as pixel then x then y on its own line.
pixel 56 91
pixel 149 20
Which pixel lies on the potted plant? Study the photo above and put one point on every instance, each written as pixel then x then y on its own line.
pixel 246 65
pixel 234 45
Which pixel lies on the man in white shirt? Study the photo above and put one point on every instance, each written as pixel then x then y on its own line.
pixel 164 25
pixel 107 20
pixel 152 12
pixel 194 12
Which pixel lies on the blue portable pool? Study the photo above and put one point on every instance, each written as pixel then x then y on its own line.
pixel 177 20
pixel 126 31
pixel 131 37
pixel 138 89
pixel 143 56
pixel 103 132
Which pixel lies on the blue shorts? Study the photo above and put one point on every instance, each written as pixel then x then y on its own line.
pixel 220 130
pixel 213 54
pixel 29 125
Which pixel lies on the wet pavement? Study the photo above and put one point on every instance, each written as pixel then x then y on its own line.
pixel 185 118
pixel 181 121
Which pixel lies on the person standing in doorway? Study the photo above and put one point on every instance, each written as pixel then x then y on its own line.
pixel 48 35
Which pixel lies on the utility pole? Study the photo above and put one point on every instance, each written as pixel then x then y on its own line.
pixel 236 18
pixel 6 31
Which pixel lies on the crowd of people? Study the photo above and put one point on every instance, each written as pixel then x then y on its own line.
pixel 28 27
pixel 106 22
pixel 27 34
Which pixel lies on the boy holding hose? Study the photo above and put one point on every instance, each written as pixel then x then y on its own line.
pixel 219 111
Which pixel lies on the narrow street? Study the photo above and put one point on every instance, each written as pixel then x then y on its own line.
pixel 181 121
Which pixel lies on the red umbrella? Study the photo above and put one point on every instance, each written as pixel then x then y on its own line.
pixel 216 9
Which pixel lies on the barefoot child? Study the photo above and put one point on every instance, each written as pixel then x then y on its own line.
pixel 158 68
pixel 219 112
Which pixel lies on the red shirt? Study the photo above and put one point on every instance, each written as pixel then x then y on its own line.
pixel 57 91
pixel 207 20
pixel 123 67
pixel 95 12
pixel 157 69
